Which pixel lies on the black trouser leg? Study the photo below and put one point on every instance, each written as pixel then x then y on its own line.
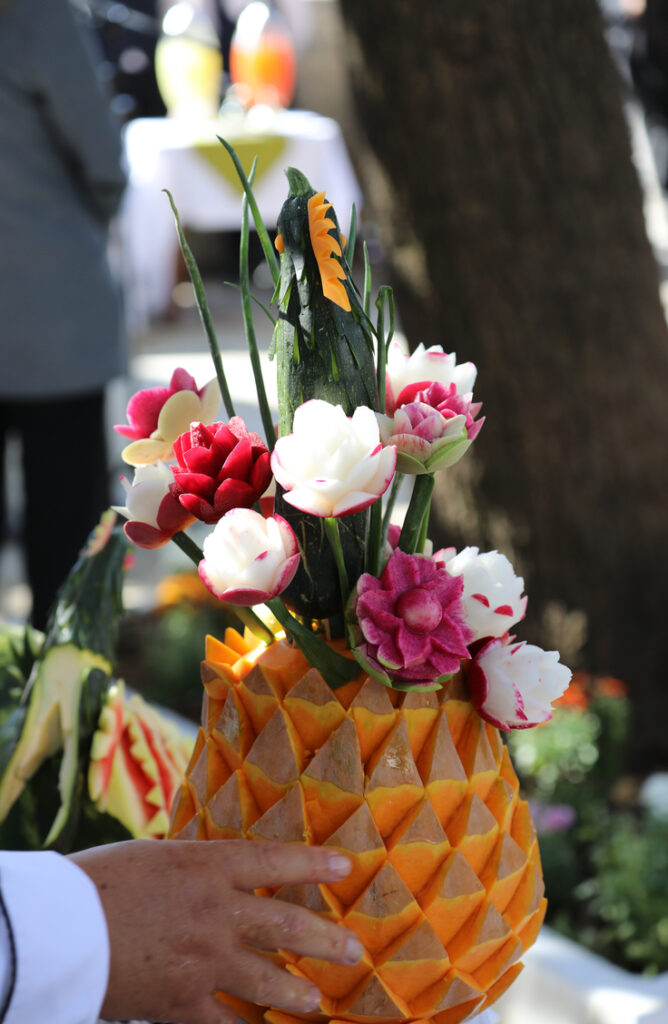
pixel 67 489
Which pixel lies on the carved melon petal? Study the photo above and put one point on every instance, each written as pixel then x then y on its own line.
pixel 393 785
pixel 233 731
pixel 193 829
pixel 503 872
pixel 231 809
pixel 477 757
pixel 259 698
pixel 439 758
pixel 335 981
pixel 414 962
pixel 419 723
pixel 491 969
pixel 183 809
pixel 359 838
pixel 275 760
pixel 217 680
pixel 373 715
pixel 333 782
pixel 504 982
pixel 383 911
pixel 197 776
pixel 418 846
pixel 314 709
pixel 458 992
pixel 374 999
pixel 452 896
pixel 473 830
pixel 285 821
pixel 478 939
pixel 501 800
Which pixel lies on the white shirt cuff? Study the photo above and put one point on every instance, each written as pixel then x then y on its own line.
pixel 58 932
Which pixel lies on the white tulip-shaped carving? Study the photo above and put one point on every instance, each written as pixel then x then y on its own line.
pixel 513 685
pixel 426 366
pixel 332 464
pixel 248 559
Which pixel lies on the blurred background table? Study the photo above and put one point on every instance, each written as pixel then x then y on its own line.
pixel 188 159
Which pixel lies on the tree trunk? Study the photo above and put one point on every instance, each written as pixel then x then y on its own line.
pixel 513 215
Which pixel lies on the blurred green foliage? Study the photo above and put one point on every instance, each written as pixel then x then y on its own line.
pixel 159 653
pixel 605 857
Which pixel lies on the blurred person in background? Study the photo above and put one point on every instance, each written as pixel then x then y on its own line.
pixel 127 37
pixel 61 182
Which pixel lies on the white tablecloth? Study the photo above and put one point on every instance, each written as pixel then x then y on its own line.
pixel 188 160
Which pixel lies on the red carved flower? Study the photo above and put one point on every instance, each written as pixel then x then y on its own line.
pixel 220 467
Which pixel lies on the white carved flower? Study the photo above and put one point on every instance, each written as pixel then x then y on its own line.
pixel 513 685
pixel 248 559
pixel 332 464
pixel 153 512
pixel 493 595
pixel 427 366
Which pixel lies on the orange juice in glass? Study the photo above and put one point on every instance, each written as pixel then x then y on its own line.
pixel 263 64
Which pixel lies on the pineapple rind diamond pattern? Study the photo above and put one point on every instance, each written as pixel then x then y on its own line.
pixel 446 890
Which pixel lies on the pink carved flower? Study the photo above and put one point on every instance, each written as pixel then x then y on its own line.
pixel 513 685
pixel 423 367
pixel 413 632
pixel 220 467
pixel 158 415
pixel 249 559
pixel 154 514
pixel 432 427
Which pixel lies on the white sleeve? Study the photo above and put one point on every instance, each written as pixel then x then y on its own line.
pixel 54 956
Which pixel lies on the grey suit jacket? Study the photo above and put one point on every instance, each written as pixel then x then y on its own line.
pixel 61 181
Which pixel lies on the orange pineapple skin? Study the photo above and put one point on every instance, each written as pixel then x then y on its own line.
pixel 446 890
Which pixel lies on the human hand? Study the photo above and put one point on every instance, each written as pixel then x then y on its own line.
pixel 183 921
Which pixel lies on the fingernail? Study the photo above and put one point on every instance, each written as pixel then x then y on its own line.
pixel 354 950
pixel 339 865
pixel 312 999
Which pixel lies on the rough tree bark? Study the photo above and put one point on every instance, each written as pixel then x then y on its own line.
pixel 501 165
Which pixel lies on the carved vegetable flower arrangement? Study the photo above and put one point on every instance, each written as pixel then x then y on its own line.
pixel 356 416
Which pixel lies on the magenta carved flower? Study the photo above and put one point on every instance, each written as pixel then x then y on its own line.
pixel 220 467
pixel 432 427
pixel 156 417
pixel 411 620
